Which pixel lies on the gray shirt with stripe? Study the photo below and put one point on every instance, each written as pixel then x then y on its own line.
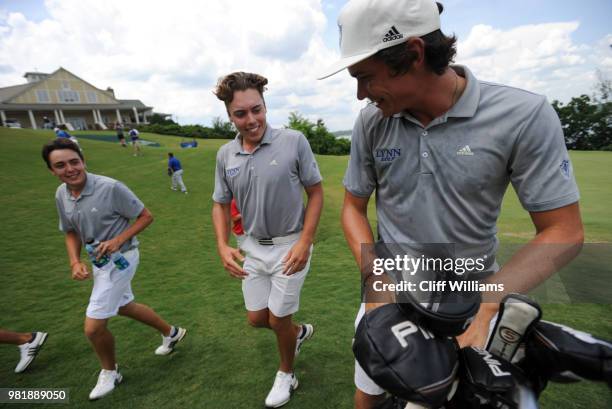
pixel 444 183
pixel 101 212
pixel 268 183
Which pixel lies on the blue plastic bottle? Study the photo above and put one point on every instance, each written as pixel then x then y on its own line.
pixel 90 247
pixel 120 262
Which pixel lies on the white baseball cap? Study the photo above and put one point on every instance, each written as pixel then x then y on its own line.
pixel 368 26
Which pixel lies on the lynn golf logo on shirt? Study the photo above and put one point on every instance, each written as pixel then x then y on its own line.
pixel 387 154
pixel 230 173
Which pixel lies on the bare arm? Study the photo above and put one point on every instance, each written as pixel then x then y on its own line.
pixel 144 219
pixel 357 230
pixel 558 240
pixel 297 257
pixel 73 248
pixel 221 222
pixel 359 236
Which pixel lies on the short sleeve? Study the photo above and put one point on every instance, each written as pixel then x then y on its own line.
pixel 540 169
pixel 125 202
pixel 309 170
pixel 65 224
pixel 360 176
pixel 222 193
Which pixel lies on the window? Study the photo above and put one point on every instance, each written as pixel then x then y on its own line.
pixel 42 95
pixel 92 97
pixel 68 96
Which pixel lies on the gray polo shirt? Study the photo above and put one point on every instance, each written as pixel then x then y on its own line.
pixel 267 183
pixel 444 183
pixel 102 211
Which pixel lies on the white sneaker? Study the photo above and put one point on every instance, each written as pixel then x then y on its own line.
pixel 284 384
pixel 29 350
pixel 168 343
pixel 305 334
pixel 107 380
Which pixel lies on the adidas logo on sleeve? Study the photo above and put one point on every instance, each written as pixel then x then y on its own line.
pixel 393 34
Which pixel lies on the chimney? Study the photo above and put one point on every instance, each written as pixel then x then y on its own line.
pixel 35 76
pixel 110 91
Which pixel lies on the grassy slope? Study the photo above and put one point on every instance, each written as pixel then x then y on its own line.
pixel 222 363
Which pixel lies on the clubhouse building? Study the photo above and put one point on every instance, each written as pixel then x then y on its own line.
pixel 62 98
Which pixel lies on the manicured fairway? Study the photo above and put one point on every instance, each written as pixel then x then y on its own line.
pixel 223 363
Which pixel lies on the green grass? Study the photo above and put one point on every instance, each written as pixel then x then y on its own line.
pixel 223 363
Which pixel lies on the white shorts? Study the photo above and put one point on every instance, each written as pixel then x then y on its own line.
pixel 362 381
pixel 112 287
pixel 266 286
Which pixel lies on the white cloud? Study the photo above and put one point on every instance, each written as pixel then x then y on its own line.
pixel 171 54
pixel 542 58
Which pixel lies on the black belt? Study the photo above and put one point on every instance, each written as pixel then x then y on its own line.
pixel 267 241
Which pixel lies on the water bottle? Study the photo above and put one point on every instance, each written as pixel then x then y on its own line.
pixel 120 262
pixel 90 247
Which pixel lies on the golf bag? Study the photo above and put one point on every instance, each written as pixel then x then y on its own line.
pixel 562 354
pixel 415 365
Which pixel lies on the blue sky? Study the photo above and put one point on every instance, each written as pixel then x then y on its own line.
pixel 460 15
pixel 550 47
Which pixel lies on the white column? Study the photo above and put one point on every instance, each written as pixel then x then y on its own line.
pixel 100 116
pixel 136 115
pixel 3 117
pixel 93 111
pixel 32 120
pixel 118 116
pixel 57 120
pixel 61 112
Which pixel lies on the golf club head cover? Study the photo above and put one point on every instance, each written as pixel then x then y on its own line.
pixel 444 312
pixel 517 315
pixel 562 354
pixel 405 359
pixel 487 381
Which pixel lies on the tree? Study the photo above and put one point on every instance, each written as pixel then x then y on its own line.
pixel 157 119
pixel 587 122
pixel 223 129
pixel 321 141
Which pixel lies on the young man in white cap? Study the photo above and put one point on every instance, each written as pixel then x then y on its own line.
pixel 267 171
pixel 98 209
pixel 440 147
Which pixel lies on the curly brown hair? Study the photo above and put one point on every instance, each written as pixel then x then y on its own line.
pixel 239 81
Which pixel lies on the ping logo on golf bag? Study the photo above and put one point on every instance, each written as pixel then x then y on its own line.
pixel 493 364
pixel 407 328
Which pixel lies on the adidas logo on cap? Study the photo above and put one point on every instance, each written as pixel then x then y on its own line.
pixel 393 34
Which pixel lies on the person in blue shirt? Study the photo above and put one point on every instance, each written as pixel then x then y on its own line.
pixel 135 136
pixel 61 133
pixel 176 171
